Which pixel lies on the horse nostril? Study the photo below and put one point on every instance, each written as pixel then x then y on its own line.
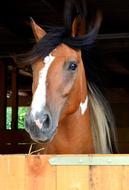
pixel 44 117
pixel 46 121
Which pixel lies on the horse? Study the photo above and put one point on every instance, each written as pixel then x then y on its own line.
pixel 68 113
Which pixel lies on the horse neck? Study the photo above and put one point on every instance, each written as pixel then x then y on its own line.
pixel 74 133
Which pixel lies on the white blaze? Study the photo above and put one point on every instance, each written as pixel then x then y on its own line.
pixel 84 105
pixel 39 97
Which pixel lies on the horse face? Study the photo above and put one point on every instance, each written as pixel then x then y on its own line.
pixel 55 87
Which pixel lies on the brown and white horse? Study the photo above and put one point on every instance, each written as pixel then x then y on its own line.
pixel 67 112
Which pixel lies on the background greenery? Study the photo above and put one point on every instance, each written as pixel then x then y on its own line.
pixel 21 117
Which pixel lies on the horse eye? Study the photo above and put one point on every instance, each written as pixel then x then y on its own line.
pixel 72 66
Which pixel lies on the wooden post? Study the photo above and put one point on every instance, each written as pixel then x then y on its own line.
pixel 2 95
pixel 14 98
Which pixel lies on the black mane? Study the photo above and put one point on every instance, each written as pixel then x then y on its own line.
pixel 58 35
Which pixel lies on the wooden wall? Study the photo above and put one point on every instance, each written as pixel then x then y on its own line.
pixel 119 101
pixel 20 172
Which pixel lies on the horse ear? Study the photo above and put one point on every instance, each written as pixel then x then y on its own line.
pixel 79 26
pixel 37 31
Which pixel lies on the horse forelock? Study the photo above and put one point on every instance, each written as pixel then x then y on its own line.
pixel 55 37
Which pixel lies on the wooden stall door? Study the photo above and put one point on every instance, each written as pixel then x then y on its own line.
pixel 24 172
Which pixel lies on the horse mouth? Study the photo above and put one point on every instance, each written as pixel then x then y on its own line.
pixel 44 141
pixel 39 136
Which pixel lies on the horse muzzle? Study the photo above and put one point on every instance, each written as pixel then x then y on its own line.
pixel 40 126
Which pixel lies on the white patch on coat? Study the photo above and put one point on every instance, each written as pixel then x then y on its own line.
pixel 84 105
pixel 39 97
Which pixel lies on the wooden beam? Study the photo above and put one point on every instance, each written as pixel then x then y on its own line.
pixel 22 101
pixel 14 98
pixel 2 95
pixel 107 44
pixel 20 136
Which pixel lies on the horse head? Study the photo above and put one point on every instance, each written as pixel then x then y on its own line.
pixel 58 87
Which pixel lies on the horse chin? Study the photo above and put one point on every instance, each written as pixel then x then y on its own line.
pixel 45 141
pixel 44 138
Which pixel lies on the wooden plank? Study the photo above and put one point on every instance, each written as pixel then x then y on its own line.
pixel 2 95
pixel 40 175
pixel 109 177
pixel 72 177
pixel 12 172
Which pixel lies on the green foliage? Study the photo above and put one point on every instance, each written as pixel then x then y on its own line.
pixel 8 117
pixel 21 117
